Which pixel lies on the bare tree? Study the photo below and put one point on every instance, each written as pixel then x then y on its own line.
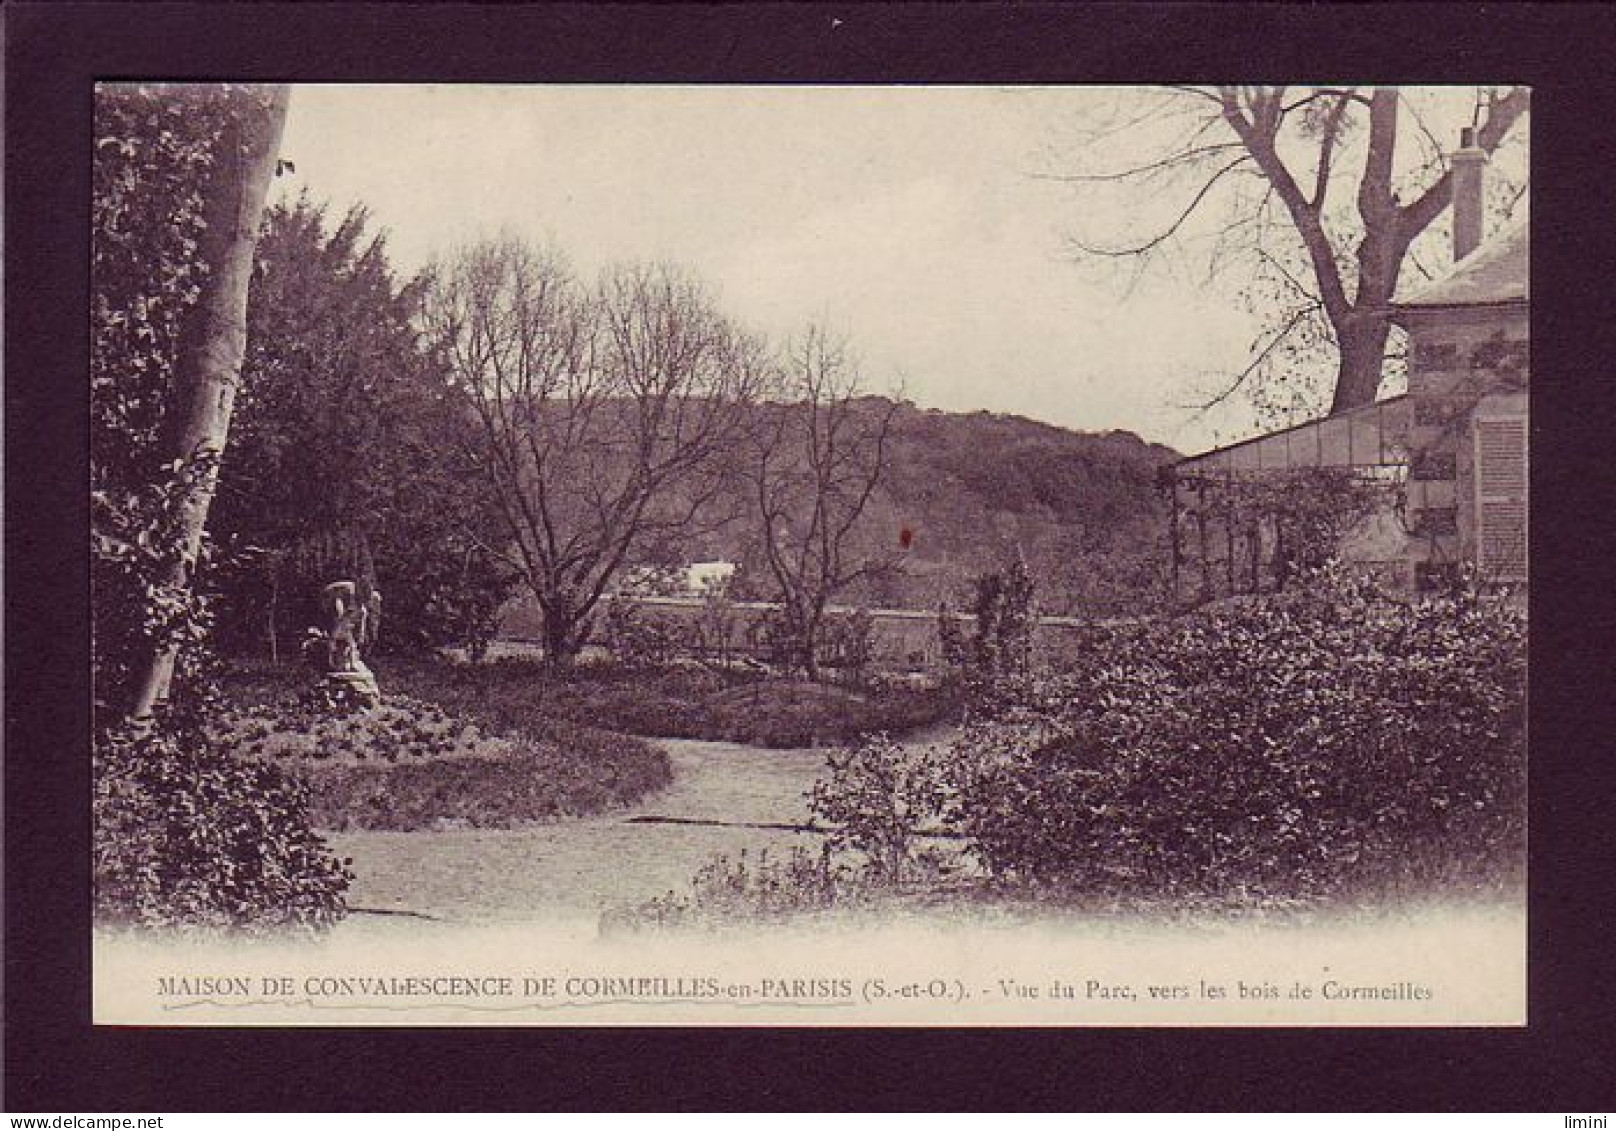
pixel 208 363
pixel 815 469
pixel 604 414
pixel 1256 174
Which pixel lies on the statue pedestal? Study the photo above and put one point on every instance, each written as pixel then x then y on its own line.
pixel 356 686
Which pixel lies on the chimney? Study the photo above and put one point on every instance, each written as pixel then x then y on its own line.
pixel 1469 183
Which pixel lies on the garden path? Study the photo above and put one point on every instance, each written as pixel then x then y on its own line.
pixel 589 864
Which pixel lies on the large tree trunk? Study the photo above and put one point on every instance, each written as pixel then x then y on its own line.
pixel 561 644
pixel 1362 342
pixel 215 337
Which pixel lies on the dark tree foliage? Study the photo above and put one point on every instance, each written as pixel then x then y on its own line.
pixel 345 464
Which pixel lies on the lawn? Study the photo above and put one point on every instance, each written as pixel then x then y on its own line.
pixel 504 743
pixel 674 702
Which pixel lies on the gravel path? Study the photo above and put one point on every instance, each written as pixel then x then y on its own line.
pixel 586 865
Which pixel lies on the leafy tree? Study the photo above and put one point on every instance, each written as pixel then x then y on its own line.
pixel 814 470
pixel 180 178
pixel 1315 191
pixel 346 465
pixel 604 415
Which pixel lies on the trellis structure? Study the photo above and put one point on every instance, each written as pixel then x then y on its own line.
pixel 1244 516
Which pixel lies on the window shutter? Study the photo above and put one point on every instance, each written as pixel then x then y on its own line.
pixel 1501 489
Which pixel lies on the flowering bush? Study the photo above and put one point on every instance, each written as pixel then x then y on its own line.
pixel 1320 741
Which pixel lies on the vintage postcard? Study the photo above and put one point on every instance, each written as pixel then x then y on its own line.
pixel 809 555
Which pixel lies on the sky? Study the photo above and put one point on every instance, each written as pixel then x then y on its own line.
pixel 910 219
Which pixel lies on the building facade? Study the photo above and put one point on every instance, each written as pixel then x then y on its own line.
pixel 1469 439
pixel 1443 469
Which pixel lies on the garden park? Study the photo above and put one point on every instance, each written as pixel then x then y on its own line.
pixel 319 490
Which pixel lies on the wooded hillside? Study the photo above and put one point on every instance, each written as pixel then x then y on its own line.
pixel 974 489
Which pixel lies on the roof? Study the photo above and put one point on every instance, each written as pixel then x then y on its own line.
pixel 1371 435
pixel 1495 274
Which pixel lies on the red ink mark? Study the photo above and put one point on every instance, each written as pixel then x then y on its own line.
pixel 906 537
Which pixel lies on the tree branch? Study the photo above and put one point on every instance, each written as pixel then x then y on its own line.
pixel 1161 238
pixel 1501 118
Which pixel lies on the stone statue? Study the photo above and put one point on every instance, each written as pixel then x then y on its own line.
pixel 350 617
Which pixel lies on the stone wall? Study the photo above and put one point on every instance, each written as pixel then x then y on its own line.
pixel 905 639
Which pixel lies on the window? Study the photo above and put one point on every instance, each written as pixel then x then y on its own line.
pixel 1501 491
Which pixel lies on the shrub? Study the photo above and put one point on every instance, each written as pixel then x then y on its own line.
pixel 725 892
pixel 785 714
pixel 524 695
pixel 1319 742
pixel 875 800
pixel 638 638
pixel 997 659
pixel 684 702
pixel 849 644
pixel 186 835
pixel 716 626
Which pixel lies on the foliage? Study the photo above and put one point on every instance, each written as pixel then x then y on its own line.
pixel 724 892
pixel 716 627
pixel 875 800
pixel 786 714
pixel 305 727
pixel 188 835
pixel 1304 513
pixel 183 833
pixel 344 463
pixel 154 150
pixel 682 702
pixel 136 534
pixel 639 637
pixel 1320 742
pixel 998 655
pixel 849 644
pixel 509 693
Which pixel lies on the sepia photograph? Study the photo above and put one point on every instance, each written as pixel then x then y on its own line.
pixel 636 554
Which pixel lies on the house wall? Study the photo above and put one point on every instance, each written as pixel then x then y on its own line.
pixel 1466 364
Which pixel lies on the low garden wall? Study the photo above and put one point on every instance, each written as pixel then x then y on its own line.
pixel 905 640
